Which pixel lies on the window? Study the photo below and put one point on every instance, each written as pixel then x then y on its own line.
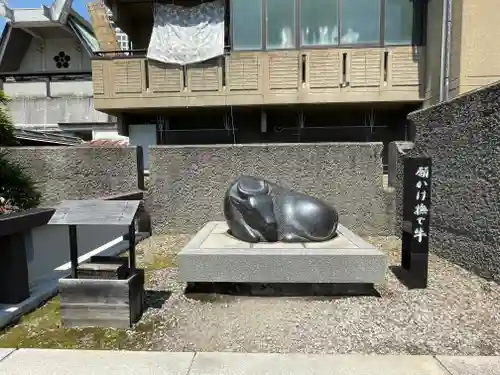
pixel 246 24
pixel 313 23
pixel 402 22
pixel 360 21
pixel 319 21
pixel 280 23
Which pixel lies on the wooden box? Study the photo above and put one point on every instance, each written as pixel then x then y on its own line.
pixel 104 267
pixel 102 302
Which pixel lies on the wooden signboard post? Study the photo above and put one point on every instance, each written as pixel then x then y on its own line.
pixel 100 302
pixel 416 220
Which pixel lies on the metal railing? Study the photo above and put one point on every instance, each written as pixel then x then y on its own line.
pixel 45 76
pixel 121 53
pixel 134 53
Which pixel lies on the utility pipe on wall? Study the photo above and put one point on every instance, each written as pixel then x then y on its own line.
pixel 444 76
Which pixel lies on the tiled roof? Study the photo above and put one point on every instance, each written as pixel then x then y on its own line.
pixel 106 142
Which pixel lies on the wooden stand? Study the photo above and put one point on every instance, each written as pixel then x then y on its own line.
pixel 101 301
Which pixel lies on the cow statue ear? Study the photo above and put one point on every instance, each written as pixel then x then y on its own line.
pixel 239 203
pixel 265 188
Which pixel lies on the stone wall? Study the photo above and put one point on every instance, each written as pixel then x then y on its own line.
pixel 188 182
pixel 463 138
pixel 80 172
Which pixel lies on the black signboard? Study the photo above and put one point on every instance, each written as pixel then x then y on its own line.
pixel 416 219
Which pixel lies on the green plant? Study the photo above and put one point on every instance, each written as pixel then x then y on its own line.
pixel 16 187
pixel 6 127
pixel 17 190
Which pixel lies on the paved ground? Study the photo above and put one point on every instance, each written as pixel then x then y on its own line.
pixel 87 362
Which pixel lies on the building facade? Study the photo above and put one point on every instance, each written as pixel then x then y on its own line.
pixel 121 37
pixel 45 69
pixel 296 70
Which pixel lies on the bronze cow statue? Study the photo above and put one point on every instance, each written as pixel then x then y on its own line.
pixel 257 210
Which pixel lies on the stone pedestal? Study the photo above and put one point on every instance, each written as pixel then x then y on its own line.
pixel 213 256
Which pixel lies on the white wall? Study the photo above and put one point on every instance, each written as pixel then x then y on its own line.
pixel 26 89
pixel 40 90
pixel 48 247
pixel 50 111
pixel 71 88
pixel 70 101
pixel 107 135
pixel 40 56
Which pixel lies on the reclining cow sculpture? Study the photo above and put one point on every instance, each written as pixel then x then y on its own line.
pixel 257 210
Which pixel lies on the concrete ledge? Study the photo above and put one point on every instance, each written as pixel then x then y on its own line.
pixel 214 256
pixel 23 221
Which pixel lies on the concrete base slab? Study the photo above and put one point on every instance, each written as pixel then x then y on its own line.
pixel 214 256
pixel 38 295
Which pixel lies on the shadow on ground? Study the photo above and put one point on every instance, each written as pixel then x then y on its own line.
pixel 404 277
pixel 155 299
pixel 202 291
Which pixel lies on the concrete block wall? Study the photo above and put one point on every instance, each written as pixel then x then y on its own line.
pixel 80 172
pixel 188 183
pixel 463 138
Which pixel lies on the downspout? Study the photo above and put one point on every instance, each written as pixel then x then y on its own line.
pixel 444 77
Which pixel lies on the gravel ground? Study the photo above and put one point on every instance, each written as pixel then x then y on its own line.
pixel 459 314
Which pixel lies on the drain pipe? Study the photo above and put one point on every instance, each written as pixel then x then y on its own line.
pixel 444 78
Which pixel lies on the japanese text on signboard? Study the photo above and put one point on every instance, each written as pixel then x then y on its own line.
pixel 421 210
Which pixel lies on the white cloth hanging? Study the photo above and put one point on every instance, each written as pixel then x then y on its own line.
pixel 186 35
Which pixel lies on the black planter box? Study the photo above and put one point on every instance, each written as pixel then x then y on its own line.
pixel 14 279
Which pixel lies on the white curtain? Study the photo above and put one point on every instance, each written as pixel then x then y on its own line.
pixel 186 35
